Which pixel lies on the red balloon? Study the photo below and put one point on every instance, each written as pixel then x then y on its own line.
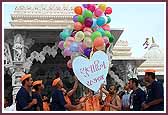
pixel 108 10
pixel 98 42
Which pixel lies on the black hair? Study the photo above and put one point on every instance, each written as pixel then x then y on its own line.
pixel 36 87
pixel 24 81
pixel 151 74
pixel 134 80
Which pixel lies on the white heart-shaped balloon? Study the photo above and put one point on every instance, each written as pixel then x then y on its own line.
pixel 91 72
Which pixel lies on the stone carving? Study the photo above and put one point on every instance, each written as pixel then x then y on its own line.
pixel 131 71
pixel 18 48
pixel 7 56
pixel 51 51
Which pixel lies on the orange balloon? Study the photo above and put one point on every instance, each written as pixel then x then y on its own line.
pixel 78 26
pixel 98 42
pixel 78 10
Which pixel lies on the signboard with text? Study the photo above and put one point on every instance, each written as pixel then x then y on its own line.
pixel 91 72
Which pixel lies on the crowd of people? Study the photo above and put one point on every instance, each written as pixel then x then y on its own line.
pixel 132 98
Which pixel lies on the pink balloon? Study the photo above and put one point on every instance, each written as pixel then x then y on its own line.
pixel 70 39
pixel 69 64
pixel 106 39
pixel 87 29
pixel 106 27
pixel 91 7
pixel 98 12
pixel 78 26
pixel 61 44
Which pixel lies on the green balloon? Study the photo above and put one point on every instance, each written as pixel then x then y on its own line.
pixel 108 19
pixel 87 14
pixel 111 39
pixel 95 35
pixel 108 34
pixel 80 19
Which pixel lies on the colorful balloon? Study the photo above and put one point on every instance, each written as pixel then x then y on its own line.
pixel 100 21
pixel 94 23
pixel 106 27
pixel 111 39
pixel 102 7
pixel 87 14
pixel 95 35
pixel 74 47
pixel 87 52
pixel 88 42
pixel 78 26
pixel 101 31
pixel 67 44
pixel 75 18
pixel 85 5
pixel 88 22
pixel 79 36
pixel 61 45
pixel 108 10
pixel 67 52
pixel 64 35
pixel 98 12
pixel 108 19
pixel 78 10
pixel 98 42
pixel 80 19
pixel 91 7
pixel 106 39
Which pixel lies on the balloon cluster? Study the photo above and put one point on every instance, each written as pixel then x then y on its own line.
pixel 91 32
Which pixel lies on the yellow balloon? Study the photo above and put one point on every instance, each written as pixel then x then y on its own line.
pixel 88 42
pixel 79 36
pixel 102 7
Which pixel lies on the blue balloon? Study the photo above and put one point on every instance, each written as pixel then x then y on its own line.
pixel 94 23
pixel 100 21
pixel 74 47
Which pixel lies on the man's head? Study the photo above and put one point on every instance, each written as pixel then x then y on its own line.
pixel 26 80
pixel 38 85
pixel 113 89
pixel 133 83
pixel 126 87
pixel 149 75
pixel 57 83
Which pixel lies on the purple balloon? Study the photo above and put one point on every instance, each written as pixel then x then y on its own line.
pixel 85 5
pixel 88 22
pixel 61 45
pixel 67 52
pixel 75 18
pixel 87 52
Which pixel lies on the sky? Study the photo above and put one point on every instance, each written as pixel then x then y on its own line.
pixel 139 21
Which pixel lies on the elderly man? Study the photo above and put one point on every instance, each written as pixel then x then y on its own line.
pixel 24 101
